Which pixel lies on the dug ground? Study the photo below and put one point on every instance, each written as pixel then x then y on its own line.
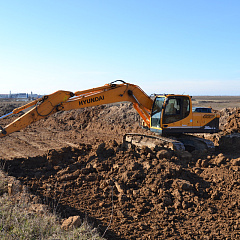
pixel 75 163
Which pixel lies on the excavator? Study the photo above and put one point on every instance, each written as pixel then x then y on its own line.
pixel 169 116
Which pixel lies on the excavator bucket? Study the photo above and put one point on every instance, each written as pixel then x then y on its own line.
pixel 2 130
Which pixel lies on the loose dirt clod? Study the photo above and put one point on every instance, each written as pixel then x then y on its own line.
pixel 71 222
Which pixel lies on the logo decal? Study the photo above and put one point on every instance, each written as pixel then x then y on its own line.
pixel 208 116
pixel 90 100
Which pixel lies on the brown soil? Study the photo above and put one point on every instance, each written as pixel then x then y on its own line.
pixel 74 161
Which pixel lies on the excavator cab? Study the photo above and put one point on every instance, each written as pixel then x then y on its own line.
pixel 173 114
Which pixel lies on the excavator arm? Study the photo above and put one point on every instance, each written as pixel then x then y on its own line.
pixel 65 100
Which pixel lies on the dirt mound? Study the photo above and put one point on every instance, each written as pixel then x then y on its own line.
pixel 123 115
pixel 231 120
pixel 228 138
pixel 148 193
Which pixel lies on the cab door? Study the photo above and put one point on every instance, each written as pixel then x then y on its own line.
pixel 157 112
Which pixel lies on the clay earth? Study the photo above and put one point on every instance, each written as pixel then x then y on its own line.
pixel 74 162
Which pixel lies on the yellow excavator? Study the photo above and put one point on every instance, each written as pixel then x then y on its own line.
pixel 164 115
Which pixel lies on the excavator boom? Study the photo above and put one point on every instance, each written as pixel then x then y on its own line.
pixel 65 100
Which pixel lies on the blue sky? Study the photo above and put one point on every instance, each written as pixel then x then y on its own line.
pixel 175 46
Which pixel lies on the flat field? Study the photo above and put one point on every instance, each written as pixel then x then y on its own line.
pixel 216 102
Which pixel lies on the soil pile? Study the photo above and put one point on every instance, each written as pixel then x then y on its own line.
pixel 230 119
pixel 229 137
pixel 117 115
pixel 148 193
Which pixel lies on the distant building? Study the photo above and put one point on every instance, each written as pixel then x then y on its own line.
pixel 21 96
pixel 4 95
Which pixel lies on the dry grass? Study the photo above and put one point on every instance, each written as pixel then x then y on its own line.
pixel 17 221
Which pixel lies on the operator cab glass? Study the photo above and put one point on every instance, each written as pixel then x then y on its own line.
pixel 156 111
pixel 171 109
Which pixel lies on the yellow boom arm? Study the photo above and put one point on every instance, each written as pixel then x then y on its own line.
pixel 65 100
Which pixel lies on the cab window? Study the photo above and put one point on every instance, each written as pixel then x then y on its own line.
pixel 177 108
